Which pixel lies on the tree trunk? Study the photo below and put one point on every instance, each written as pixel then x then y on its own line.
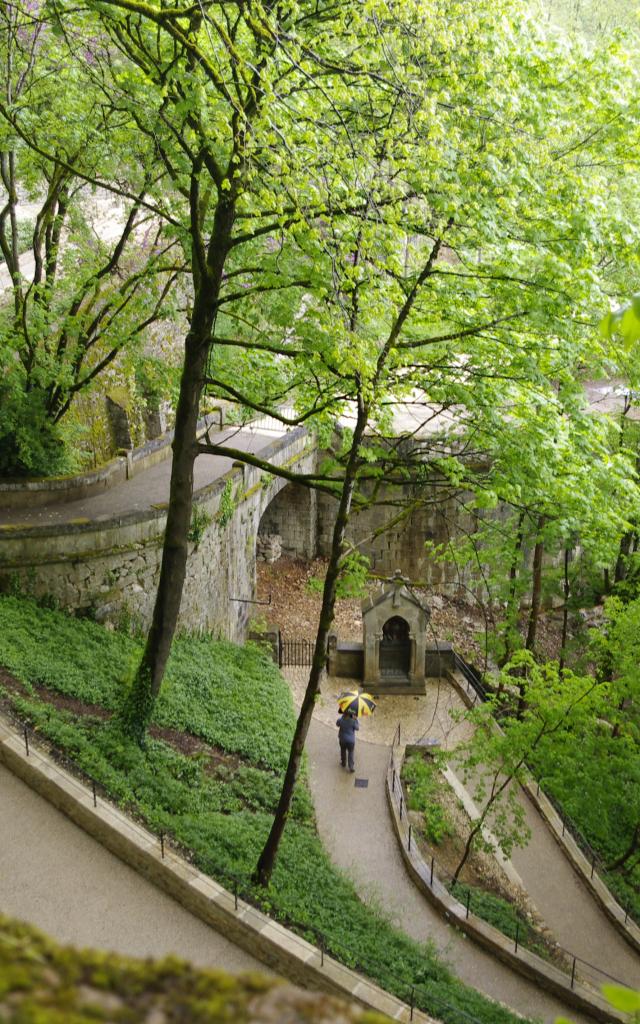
pixel 628 540
pixel 138 706
pixel 264 867
pixel 467 848
pixel 496 795
pixel 622 560
pixel 534 613
pixel 565 610
pixel 536 591
pixel 631 849
pixel 512 611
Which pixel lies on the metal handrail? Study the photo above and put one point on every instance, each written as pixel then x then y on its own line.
pixel 240 887
pixel 442 876
pixel 470 675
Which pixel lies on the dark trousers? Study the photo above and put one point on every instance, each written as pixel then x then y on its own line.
pixel 346 751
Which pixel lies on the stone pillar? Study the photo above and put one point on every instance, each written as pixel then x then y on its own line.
pixel 155 419
pixel 119 426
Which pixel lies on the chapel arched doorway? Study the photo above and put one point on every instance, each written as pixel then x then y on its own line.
pixel 395 649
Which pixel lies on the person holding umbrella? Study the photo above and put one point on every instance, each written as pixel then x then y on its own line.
pixel 351 704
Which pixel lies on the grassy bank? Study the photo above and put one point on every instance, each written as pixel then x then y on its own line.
pixel 209 778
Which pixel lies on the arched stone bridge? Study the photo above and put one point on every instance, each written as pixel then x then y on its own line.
pixel 100 552
pixel 93 543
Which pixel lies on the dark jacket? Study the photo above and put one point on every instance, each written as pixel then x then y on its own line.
pixel 348 727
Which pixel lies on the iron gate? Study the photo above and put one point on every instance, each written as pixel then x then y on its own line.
pixel 296 652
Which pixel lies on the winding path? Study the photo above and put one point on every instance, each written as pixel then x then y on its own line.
pixel 89 897
pixel 356 829
pixel 56 877
pixel 147 488
pixel 359 834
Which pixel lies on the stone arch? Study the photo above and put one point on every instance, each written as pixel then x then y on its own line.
pixel 288 525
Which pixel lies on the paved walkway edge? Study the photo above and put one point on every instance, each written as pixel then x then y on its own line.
pixel 60 489
pixel 581 865
pixel 531 966
pixel 282 950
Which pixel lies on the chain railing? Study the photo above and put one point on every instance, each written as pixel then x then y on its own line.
pixel 477 691
pixel 418 996
pixel 443 883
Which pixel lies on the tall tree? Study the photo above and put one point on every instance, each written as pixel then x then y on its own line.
pixel 482 369
pixel 494 761
pixel 278 133
pixel 89 275
pixel 253 116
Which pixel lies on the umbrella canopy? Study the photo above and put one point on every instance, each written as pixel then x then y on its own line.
pixel 356 702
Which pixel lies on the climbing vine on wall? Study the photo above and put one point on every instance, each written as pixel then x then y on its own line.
pixel 227 505
pixel 200 520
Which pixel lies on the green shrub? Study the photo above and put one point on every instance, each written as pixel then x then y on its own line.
pixel 423 783
pixel 212 688
pixel 500 913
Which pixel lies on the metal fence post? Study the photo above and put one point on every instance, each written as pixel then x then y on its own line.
pixel 26 739
pixel 409 843
pixel 468 901
pixel 93 789
pixel 393 781
pixel 517 936
pixel 322 951
pixel 162 845
pixel 431 881
pixel 593 864
pixel 401 803
pixel 573 972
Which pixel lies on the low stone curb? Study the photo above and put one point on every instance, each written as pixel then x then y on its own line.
pixel 581 865
pixel 531 966
pixel 603 896
pixel 267 940
pixel 59 490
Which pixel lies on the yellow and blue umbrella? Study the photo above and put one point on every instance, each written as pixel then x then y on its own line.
pixel 356 702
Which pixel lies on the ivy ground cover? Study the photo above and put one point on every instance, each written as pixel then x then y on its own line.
pixel 209 778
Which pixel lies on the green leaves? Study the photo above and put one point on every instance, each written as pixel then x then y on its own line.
pixel 624 321
pixel 625 999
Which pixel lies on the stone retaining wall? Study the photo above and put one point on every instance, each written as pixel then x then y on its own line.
pixel 293 517
pixel 402 545
pixel 109 567
pixel 58 490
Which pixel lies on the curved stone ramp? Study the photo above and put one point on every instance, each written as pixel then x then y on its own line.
pixel 568 908
pixel 144 490
pixel 56 877
pixel 355 828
